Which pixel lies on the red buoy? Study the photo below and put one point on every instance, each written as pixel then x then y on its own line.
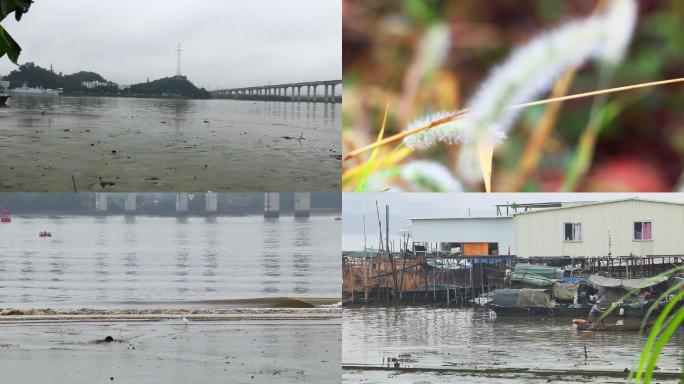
pixel 4 216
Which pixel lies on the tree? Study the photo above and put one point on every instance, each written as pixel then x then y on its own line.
pixel 7 44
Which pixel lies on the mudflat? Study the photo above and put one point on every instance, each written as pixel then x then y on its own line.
pixel 258 349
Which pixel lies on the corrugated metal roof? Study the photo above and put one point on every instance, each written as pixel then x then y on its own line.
pixel 459 218
pixel 601 203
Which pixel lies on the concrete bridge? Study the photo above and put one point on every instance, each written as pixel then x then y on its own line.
pixel 302 203
pixel 286 92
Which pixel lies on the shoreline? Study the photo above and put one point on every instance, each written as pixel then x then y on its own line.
pixel 13 316
pixel 510 373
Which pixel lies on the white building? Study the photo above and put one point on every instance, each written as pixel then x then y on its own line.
pixel 610 228
pixel 470 236
pixel 4 84
pixel 94 84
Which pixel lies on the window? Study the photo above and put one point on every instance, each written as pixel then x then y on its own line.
pixel 643 230
pixel 573 232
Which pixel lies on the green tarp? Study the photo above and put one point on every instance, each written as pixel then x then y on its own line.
pixel 531 279
pixel 564 291
pixel 522 298
pixel 540 270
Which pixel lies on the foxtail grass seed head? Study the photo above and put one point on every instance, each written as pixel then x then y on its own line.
pixel 429 176
pixel 450 132
pixel 530 71
pixel 467 164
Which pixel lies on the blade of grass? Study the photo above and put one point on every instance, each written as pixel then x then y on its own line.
pixel 655 330
pixel 384 160
pixel 369 163
pixel 661 298
pixel 671 328
pixel 585 152
pixel 485 153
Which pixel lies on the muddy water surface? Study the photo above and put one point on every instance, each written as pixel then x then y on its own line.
pixel 168 145
pixel 170 352
pixel 124 262
pixel 468 338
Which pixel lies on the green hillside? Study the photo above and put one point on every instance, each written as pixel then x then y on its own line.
pixel 176 86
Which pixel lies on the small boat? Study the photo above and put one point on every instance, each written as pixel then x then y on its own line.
pixel 618 325
pixel 521 302
pixel 45 234
pixel 5 217
pixel 533 302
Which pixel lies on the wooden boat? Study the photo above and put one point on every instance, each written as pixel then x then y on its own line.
pixel 619 325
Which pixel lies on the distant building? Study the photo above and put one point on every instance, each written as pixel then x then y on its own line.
pixel 468 236
pixel 122 87
pixel 4 84
pixel 95 84
pixel 618 228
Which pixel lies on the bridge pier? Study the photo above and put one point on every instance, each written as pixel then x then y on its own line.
pixel 182 202
pixel 271 204
pixel 285 92
pixel 100 202
pixel 302 204
pixel 130 202
pixel 211 202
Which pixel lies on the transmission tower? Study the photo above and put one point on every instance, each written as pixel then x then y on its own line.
pixel 178 69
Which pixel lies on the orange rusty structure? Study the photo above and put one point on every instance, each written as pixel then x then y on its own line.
pixel 363 279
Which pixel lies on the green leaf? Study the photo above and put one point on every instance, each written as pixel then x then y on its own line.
pixel 9 46
pixel 19 7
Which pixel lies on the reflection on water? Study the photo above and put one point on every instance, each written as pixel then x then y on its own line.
pixel 471 338
pixel 107 259
pixel 164 144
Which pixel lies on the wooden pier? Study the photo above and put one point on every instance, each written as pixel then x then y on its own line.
pixel 440 279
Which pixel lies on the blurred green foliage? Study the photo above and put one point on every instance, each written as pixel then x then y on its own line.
pixel 645 142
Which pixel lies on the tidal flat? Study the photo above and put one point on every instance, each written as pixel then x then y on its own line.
pixel 299 346
pixel 66 144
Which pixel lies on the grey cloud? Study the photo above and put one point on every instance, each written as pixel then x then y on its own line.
pixel 227 43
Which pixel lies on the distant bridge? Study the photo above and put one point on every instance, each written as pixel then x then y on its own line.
pixel 285 92
pixel 302 203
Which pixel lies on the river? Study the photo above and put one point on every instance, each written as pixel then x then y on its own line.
pixel 471 339
pixel 123 261
pixel 135 144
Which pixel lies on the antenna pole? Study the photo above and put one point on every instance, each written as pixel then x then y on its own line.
pixel 178 68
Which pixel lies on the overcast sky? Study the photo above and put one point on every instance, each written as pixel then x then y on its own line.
pixel 405 205
pixel 226 43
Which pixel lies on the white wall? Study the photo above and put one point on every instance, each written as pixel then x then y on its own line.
pixel 541 233
pixel 466 230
